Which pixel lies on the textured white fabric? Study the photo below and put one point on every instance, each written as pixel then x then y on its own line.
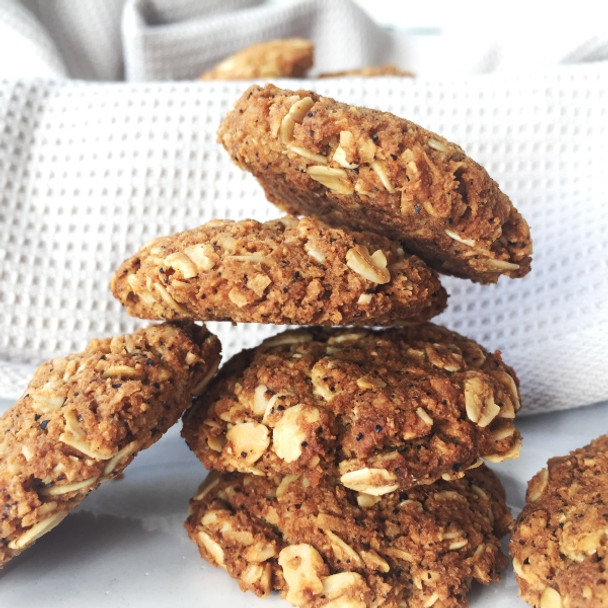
pixel 89 171
pixel 92 171
pixel 86 35
pixel 178 39
pixel 26 46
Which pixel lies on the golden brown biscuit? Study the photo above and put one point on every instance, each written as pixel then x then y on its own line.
pixel 84 417
pixel 386 69
pixel 326 546
pixel 285 271
pixel 282 58
pixel 560 541
pixel 377 410
pixel 371 170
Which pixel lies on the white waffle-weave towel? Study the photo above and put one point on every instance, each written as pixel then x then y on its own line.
pixel 91 170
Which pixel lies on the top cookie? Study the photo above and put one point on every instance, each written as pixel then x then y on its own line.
pixel 282 58
pixel 386 69
pixel 372 170
pixel 560 541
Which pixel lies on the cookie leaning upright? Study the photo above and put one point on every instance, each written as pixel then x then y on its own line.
pixel 372 170
pixel 560 540
pixel 84 417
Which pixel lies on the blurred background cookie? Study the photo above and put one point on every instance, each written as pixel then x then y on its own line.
pixel 386 69
pixel 283 58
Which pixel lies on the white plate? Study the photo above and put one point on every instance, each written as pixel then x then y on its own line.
pixel 126 545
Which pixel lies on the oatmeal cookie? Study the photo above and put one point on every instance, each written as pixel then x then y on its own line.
pixel 84 417
pixel 386 69
pixel 285 271
pixel 560 540
pixel 372 170
pixel 327 546
pixel 377 410
pixel 282 58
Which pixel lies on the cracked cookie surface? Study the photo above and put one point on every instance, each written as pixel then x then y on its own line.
pixel 287 271
pixel 377 410
pixel 560 539
pixel 371 170
pixel 84 417
pixel 329 546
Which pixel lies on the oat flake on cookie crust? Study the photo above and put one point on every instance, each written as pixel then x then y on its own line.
pixel 375 410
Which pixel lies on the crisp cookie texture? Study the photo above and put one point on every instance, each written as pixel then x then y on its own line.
pixel 372 170
pixel 282 58
pixel 560 540
pixel 285 271
pixel 84 417
pixel 327 546
pixel 376 410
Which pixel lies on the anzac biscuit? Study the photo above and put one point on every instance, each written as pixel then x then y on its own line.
pixel 378 410
pixel 84 417
pixel 386 69
pixel 327 546
pixel 371 170
pixel 282 58
pixel 560 541
pixel 285 271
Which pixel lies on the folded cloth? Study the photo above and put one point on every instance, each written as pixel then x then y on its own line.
pixel 89 171
pixel 144 40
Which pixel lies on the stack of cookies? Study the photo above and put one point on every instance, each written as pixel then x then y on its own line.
pixel 346 455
